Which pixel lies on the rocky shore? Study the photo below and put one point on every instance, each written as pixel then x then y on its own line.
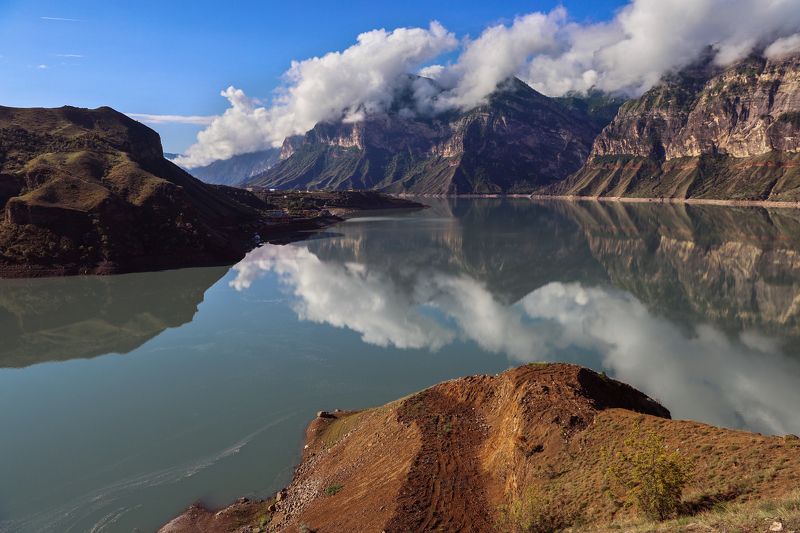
pixel 451 457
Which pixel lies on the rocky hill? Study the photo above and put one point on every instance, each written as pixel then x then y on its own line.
pixel 705 132
pixel 238 168
pixel 448 458
pixel 520 140
pixel 90 191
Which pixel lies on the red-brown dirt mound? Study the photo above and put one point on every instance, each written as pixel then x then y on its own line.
pixel 446 458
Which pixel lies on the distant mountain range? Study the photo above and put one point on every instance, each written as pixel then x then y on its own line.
pixel 518 141
pixel 237 169
pixel 704 132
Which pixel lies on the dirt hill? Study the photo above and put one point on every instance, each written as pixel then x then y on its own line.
pixel 447 458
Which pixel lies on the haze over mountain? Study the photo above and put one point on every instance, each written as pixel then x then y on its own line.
pixel 237 169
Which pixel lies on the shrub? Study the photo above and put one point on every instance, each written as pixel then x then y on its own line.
pixel 651 477
pixel 533 512
pixel 333 489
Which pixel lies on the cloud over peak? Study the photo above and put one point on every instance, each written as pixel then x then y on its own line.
pixel 627 54
pixel 335 86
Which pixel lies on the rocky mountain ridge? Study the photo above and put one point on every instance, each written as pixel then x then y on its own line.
pixel 705 132
pixel 518 141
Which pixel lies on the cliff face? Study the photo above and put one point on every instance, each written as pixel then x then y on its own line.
pixel 518 141
pixel 704 132
pixel 90 191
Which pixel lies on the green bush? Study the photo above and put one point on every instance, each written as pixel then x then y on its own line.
pixel 650 476
pixel 333 489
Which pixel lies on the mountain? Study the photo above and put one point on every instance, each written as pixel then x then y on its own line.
pixel 516 142
pixel 89 190
pixel 238 168
pixel 704 132
pixel 529 449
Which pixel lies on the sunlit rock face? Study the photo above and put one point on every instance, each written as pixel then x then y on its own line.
pixel 704 132
pixel 706 296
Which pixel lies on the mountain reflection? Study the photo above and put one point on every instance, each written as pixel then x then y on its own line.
pixel 57 319
pixel 697 306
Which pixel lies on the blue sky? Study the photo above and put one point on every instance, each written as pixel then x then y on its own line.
pixel 175 57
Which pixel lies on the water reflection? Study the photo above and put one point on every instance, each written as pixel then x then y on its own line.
pixel 698 306
pixel 56 319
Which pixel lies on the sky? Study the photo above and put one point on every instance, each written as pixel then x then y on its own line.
pixel 174 58
pixel 217 80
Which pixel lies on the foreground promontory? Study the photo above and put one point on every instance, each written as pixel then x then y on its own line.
pixel 527 450
pixel 86 191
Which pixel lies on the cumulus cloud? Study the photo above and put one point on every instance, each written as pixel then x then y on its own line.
pixel 499 52
pixel 627 54
pixel 337 85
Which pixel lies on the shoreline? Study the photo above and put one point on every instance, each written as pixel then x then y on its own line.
pixel 696 201
pixel 293 228
pixel 621 199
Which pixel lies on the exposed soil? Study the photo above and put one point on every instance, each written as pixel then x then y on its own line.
pixel 446 458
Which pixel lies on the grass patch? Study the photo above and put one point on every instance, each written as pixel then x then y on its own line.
pixel 748 516
pixel 341 427
pixel 333 490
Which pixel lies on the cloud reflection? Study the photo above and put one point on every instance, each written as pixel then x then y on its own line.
pixel 698 372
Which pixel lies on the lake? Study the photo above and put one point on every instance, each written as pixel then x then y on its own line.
pixel 124 399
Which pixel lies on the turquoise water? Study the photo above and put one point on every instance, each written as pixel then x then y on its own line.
pixel 124 399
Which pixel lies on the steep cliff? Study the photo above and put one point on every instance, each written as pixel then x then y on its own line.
pixel 705 132
pixel 518 141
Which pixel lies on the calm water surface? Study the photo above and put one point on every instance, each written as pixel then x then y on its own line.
pixel 124 399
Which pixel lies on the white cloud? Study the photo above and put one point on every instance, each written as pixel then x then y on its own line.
pixel 500 52
pixel 42 66
pixel 70 56
pixel 198 120
pixel 783 47
pixel 60 19
pixel 334 86
pixel 629 54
